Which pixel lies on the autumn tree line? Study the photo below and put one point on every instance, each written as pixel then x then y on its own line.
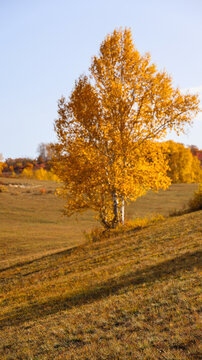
pixel 39 168
pixel 185 164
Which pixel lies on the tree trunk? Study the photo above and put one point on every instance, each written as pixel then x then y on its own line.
pixel 115 205
pixel 122 211
pixel 105 223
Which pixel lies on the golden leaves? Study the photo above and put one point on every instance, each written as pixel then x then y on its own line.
pixel 108 128
pixel 183 166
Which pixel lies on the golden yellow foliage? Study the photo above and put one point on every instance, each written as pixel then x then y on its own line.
pixel 97 233
pixel 3 188
pixel 27 172
pixel 184 167
pixel 39 174
pixel 42 174
pixel 2 165
pixel 106 152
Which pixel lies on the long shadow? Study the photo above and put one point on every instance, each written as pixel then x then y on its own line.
pixel 147 275
pixel 67 251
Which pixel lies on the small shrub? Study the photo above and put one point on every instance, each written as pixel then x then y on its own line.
pixel 138 223
pixel 3 188
pixel 176 212
pixel 42 191
pixel 2 166
pixel 157 218
pixel 39 174
pixel 196 203
pixel 98 234
pixel 50 192
pixel 193 205
pixel 51 176
pixel 27 172
pixel 42 174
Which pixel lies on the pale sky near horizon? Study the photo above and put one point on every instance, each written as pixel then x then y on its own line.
pixel 45 45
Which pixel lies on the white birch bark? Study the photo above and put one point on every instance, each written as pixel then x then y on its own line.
pixel 123 211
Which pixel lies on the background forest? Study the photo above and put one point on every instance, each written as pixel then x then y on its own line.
pixel 185 164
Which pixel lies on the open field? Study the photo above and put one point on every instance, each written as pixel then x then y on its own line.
pixel 32 224
pixel 135 296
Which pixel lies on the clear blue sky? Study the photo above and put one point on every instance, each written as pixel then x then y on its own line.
pixel 46 44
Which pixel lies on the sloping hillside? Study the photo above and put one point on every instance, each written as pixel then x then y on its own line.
pixel 32 225
pixel 135 296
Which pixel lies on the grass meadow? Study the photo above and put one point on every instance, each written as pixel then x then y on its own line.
pixel 133 296
pixel 33 225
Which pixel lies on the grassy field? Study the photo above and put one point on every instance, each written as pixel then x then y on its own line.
pixel 32 223
pixel 135 296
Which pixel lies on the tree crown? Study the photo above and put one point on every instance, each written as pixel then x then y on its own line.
pixel 107 131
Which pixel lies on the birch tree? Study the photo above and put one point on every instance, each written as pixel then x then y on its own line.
pixel 107 131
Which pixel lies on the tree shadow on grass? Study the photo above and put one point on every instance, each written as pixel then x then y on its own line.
pixel 68 251
pixel 147 275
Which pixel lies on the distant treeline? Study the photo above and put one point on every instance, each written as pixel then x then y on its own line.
pixel 39 168
pixel 185 164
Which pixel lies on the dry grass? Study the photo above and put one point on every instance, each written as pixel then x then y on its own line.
pixel 32 224
pixel 134 296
